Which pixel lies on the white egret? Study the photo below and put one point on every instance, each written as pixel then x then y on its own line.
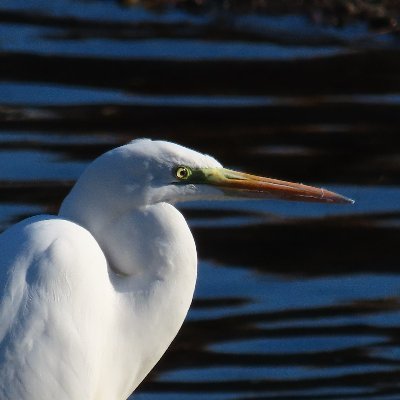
pixel 92 298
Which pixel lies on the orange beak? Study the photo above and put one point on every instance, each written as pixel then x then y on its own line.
pixel 239 184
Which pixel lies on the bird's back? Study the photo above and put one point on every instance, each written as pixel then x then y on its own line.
pixel 47 313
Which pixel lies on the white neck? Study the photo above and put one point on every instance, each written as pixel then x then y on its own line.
pixel 152 267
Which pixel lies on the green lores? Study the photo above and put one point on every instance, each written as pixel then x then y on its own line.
pixel 245 185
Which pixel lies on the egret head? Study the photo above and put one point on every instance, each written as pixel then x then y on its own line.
pixel 164 171
pixel 146 172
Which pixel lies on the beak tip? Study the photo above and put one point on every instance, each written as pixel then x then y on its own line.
pixel 346 200
pixel 336 198
pixel 326 196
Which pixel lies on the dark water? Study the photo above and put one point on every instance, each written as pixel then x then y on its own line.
pixel 293 301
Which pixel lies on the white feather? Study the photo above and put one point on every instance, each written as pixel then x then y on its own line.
pixel 92 298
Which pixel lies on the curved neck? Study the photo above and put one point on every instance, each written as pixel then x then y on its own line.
pixel 153 260
pixel 152 268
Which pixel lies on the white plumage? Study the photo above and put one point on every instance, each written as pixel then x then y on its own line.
pixel 92 298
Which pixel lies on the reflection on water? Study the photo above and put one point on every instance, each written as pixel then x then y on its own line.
pixel 294 301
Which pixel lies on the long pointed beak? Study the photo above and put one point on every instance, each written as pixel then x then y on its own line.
pixel 240 184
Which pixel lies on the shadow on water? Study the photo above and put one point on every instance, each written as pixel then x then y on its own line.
pixel 293 301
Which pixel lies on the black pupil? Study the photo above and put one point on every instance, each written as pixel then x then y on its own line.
pixel 182 173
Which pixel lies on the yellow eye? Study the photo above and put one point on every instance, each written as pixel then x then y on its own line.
pixel 183 173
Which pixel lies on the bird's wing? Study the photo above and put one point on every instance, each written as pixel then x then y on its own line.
pixel 55 293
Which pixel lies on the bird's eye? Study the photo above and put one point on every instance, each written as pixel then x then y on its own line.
pixel 183 173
